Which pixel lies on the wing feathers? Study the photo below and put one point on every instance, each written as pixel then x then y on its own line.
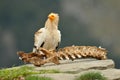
pixel 39 38
pixel 42 44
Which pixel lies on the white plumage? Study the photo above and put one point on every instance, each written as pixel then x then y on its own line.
pixel 48 37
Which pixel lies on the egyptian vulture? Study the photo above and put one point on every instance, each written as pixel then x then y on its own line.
pixel 49 36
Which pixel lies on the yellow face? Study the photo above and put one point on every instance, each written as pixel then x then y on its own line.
pixel 52 16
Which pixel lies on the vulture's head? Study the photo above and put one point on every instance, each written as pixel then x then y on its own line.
pixel 53 18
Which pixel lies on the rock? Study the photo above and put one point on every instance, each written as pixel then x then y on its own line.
pixel 69 70
pixel 72 69
pixel 80 65
pixel 111 74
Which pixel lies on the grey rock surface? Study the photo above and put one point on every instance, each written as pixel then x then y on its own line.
pixel 72 69
pixel 80 65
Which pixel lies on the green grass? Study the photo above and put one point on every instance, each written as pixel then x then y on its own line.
pixel 37 78
pixel 91 76
pixel 13 73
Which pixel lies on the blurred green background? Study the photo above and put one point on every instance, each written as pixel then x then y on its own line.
pixel 82 22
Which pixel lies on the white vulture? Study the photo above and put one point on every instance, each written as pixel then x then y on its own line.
pixel 48 37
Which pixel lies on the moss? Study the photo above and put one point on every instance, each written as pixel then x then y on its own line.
pixel 23 71
pixel 91 76
pixel 37 78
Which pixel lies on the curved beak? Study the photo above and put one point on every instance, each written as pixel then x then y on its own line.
pixel 51 17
